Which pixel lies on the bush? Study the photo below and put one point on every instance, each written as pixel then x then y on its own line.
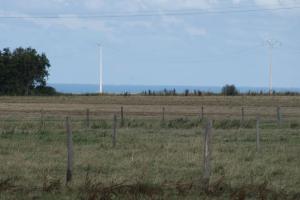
pixel 135 124
pixel 227 124
pixel 44 90
pixel 182 123
pixel 294 125
pixel 101 124
pixel 229 90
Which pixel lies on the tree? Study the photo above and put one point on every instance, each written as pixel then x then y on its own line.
pixel 22 70
pixel 229 90
pixel 6 71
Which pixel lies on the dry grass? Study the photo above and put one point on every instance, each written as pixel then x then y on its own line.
pixel 102 106
pixel 151 160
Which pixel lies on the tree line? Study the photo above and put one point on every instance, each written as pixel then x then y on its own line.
pixel 24 71
pixel 226 90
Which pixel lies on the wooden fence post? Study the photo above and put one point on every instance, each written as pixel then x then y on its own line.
pixel 279 116
pixel 122 116
pixel 69 151
pixel 257 134
pixel 202 113
pixel 88 118
pixel 114 135
pixel 243 116
pixel 42 120
pixel 207 155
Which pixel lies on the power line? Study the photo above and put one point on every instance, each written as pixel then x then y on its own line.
pixel 150 14
pixel 160 11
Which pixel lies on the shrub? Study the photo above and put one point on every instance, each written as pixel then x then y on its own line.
pixel 135 124
pixel 294 125
pixel 227 124
pixel 229 90
pixel 101 124
pixel 44 90
pixel 182 123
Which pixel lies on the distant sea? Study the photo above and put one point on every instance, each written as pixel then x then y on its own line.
pixel 134 89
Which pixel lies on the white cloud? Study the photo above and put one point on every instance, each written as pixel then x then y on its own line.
pixel 180 4
pixel 73 7
pixel 195 31
pixel 79 6
pixel 276 3
pixel 105 5
pixel 236 1
pixel 49 7
pixel 94 4
pixel 71 22
pixel 75 23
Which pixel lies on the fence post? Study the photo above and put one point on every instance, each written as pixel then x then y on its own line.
pixel 202 113
pixel 257 134
pixel 114 135
pixel 163 114
pixel 69 151
pixel 207 155
pixel 279 116
pixel 122 116
pixel 243 116
pixel 42 120
pixel 88 118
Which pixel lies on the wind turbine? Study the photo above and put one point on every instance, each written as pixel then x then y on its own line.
pixel 101 67
pixel 271 44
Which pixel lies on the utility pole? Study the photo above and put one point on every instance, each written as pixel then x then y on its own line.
pixel 101 68
pixel 271 44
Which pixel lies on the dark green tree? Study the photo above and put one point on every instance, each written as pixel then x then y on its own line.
pixel 22 70
pixel 229 90
pixel 7 78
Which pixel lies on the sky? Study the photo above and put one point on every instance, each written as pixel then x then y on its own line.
pixel 216 42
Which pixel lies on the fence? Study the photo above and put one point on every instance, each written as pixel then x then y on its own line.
pixel 278 116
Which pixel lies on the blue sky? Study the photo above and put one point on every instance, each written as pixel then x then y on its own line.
pixel 209 49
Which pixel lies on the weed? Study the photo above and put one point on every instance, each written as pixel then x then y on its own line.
pixel 294 125
pixel 100 124
pixel 6 184
pixel 227 124
pixel 8 133
pixel 51 184
pixel 182 123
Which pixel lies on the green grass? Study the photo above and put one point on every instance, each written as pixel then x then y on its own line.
pixel 153 158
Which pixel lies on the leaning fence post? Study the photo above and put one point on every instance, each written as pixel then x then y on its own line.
pixel 207 155
pixel 257 134
pixel 88 118
pixel 114 135
pixel 279 116
pixel 122 116
pixel 69 151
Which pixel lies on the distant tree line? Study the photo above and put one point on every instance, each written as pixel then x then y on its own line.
pixel 173 92
pixel 227 90
pixel 24 71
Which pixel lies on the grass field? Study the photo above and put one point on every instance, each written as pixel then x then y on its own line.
pixel 152 159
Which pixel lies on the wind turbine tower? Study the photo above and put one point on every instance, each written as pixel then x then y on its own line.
pixel 101 68
pixel 271 45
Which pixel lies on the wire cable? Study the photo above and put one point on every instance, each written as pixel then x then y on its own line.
pixel 146 14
